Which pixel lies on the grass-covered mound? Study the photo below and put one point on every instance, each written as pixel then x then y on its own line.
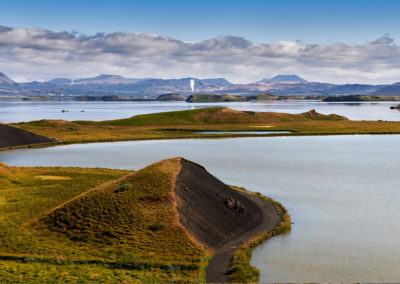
pixel 361 98
pixel 171 97
pixel 217 115
pixel 135 212
pixel 67 224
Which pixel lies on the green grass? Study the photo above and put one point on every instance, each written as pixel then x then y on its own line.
pixel 75 227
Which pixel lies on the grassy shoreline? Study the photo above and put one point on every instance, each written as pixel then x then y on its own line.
pixel 187 125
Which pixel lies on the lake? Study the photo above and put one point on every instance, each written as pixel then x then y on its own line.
pixel 18 111
pixel 342 192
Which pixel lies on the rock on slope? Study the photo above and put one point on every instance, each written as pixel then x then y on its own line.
pixel 11 136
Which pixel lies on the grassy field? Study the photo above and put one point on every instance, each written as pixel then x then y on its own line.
pixel 188 124
pixel 50 228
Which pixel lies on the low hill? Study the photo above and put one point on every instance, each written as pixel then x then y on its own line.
pixel 217 115
pixel 152 200
pixel 171 97
pixel 208 98
pixel 350 98
pixel 361 98
pixel 171 209
pixel 12 137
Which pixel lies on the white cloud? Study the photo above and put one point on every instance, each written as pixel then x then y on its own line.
pixel 38 54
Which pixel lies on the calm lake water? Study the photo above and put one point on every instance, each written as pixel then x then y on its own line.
pixel 342 192
pixel 18 111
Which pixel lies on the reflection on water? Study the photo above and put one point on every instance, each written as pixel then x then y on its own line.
pixel 342 192
pixel 18 111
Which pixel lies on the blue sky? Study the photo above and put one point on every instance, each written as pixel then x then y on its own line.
pixel 323 21
pixel 241 40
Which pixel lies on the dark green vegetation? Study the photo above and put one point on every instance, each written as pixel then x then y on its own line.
pixel 96 98
pixel 171 97
pixel 66 225
pixel 359 98
pixel 207 98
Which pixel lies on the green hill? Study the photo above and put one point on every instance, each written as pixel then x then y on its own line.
pixel 217 115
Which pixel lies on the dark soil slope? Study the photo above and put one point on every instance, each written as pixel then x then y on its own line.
pixel 211 211
pixel 12 136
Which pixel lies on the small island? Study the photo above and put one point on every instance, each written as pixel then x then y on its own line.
pixel 171 97
pixel 395 107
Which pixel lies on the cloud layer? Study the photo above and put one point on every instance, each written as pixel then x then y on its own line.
pixel 37 54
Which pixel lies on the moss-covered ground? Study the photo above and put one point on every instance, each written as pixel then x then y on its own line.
pixel 93 225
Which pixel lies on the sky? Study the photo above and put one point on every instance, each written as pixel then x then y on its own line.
pixel 241 40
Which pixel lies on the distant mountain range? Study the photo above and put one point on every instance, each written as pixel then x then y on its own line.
pixel 291 85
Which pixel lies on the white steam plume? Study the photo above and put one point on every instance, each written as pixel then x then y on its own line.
pixel 192 85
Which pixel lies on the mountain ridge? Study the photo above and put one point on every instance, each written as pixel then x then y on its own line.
pixel 108 84
pixel 284 78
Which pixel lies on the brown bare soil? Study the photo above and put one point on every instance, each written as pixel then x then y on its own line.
pixel 12 137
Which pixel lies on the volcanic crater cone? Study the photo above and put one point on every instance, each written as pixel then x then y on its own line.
pixel 171 203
